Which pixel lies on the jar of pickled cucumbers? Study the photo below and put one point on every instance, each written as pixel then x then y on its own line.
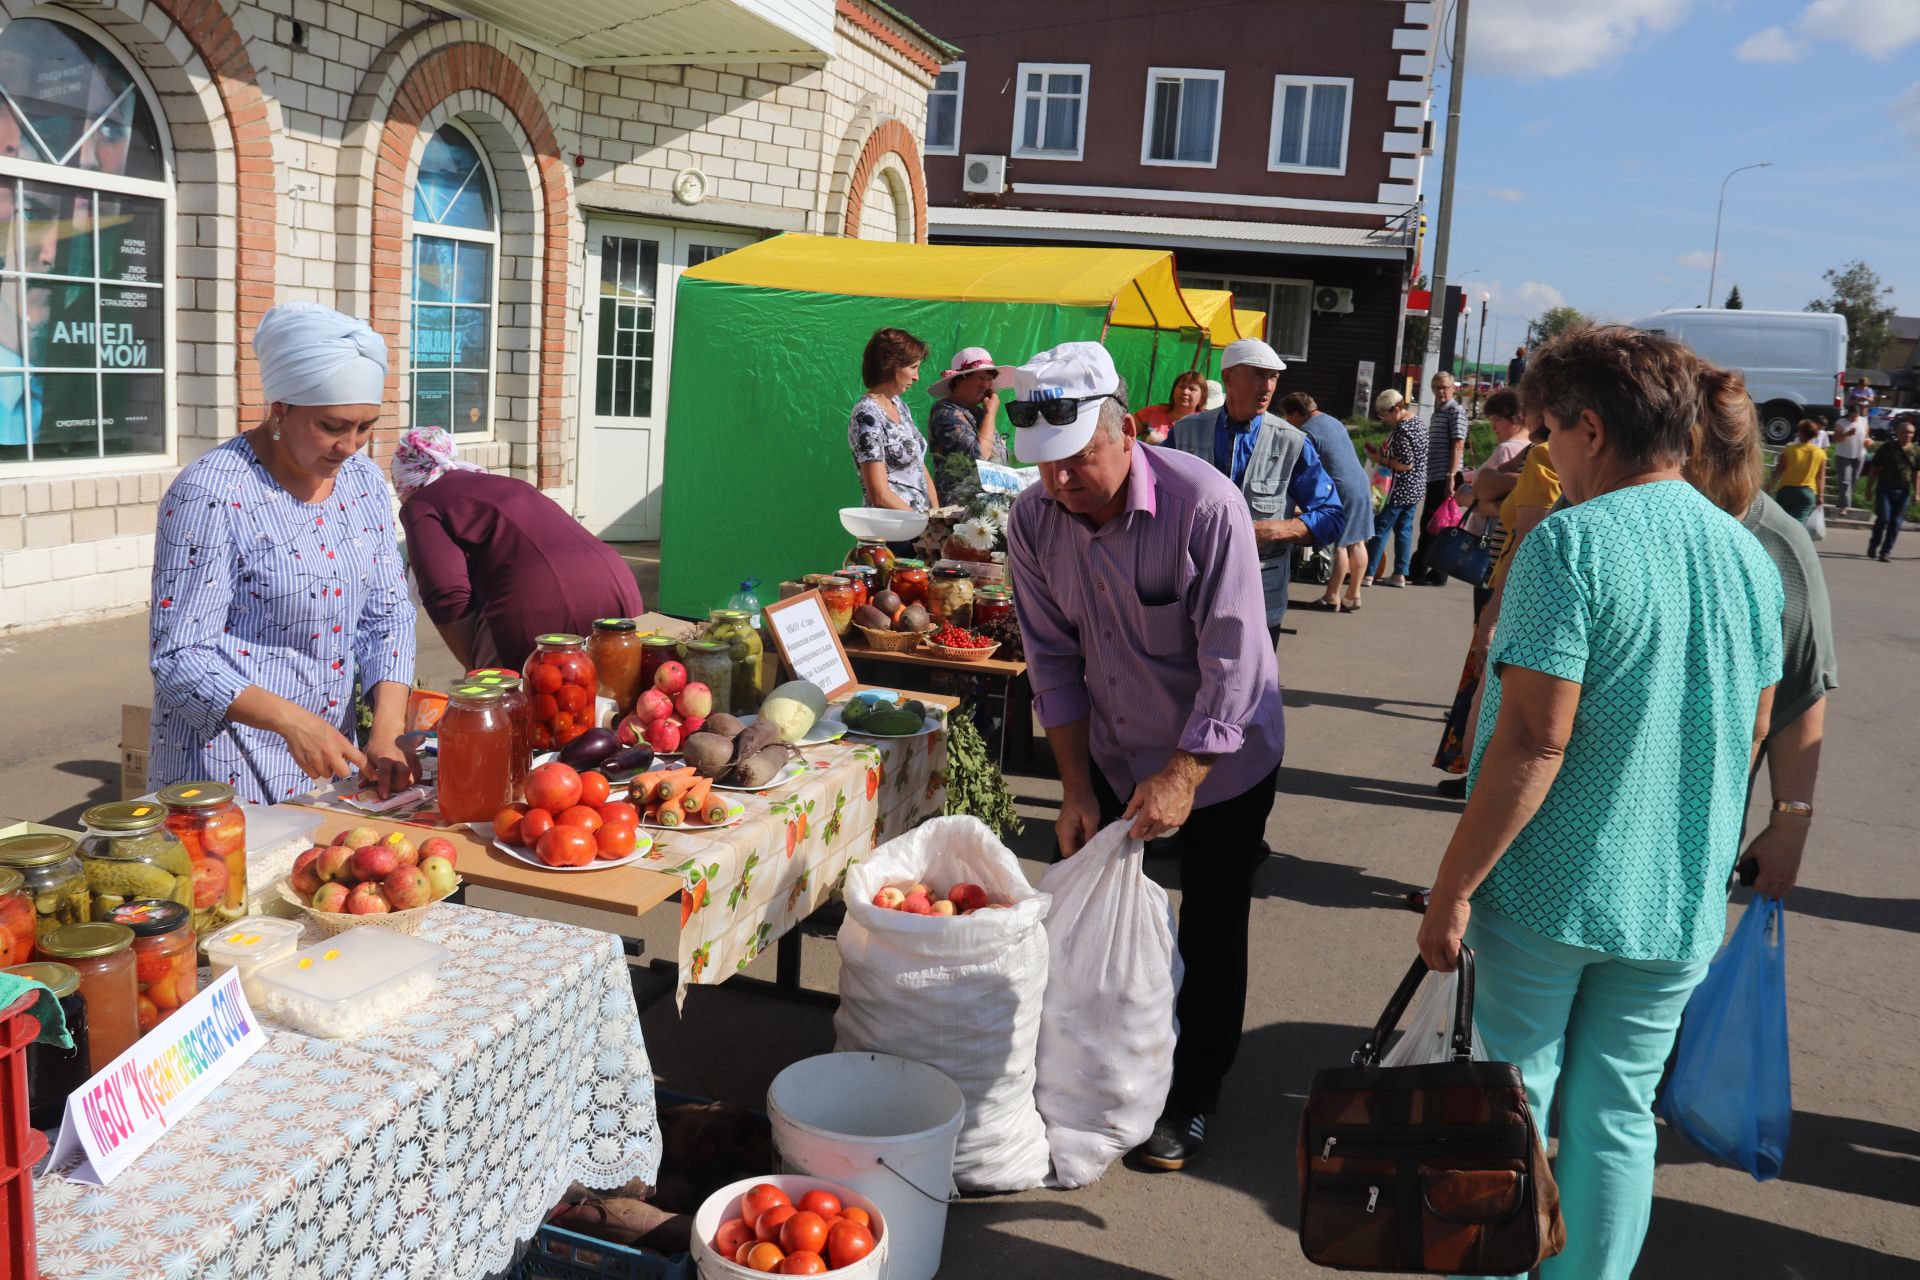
pixel 735 628
pixel 129 853
pixel 711 663
pixel 212 826
pixel 49 867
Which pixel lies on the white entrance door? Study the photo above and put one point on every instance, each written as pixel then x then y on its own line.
pixel 627 351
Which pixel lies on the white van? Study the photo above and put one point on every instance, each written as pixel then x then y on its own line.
pixel 1792 360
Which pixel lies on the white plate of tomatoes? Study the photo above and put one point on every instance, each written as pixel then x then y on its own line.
pixel 568 822
pixel 642 846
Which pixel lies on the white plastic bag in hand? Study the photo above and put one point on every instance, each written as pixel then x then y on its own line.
pixel 1429 1033
pixel 1106 1043
pixel 960 994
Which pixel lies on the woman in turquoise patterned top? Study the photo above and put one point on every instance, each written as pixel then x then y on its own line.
pixel 1638 648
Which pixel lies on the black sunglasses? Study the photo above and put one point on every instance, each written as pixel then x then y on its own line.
pixel 1023 413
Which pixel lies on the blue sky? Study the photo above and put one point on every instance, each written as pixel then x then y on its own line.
pixel 1595 134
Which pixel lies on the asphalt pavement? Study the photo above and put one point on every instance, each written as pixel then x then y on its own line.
pixel 1357 825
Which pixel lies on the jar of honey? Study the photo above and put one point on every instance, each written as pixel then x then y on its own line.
pixel 564 686
pixel 102 954
pixel 519 709
pixel 876 555
pixel 476 754
pixel 164 963
pixel 615 649
pixel 911 582
pixel 214 828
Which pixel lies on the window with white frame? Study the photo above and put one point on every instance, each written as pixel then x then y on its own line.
pixel 85 207
pixel 1288 304
pixel 1050 117
pixel 1183 117
pixel 1310 124
pixel 943 110
pixel 456 243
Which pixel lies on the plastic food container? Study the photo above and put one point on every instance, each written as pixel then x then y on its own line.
pixel 349 983
pixel 724 1204
pixel 252 945
pixel 130 854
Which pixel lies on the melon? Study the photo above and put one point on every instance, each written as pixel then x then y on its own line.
pixel 795 707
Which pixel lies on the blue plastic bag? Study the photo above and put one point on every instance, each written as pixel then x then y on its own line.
pixel 1731 1091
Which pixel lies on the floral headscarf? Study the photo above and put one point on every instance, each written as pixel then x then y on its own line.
pixel 423 456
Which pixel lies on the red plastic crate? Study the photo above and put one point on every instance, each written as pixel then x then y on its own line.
pixel 21 1145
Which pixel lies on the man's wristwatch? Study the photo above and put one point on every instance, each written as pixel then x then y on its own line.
pixel 1798 808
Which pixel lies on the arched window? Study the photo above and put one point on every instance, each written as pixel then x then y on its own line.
pixel 456 242
pixel 84 218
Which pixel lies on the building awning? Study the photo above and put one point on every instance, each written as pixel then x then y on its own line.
pixel 600 33
pixel 1393 241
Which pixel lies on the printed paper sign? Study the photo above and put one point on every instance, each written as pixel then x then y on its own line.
pixel 809 643
pixel 124 1109
pixel 995 478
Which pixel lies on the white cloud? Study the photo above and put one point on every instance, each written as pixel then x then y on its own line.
pixel 1509 195
pixel 1772 44
pixel 1532 39
pixel 1877 28
pixel 1698 260
pixel 1906 112
pixel 1528 298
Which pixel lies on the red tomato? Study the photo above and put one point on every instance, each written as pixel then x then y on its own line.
pixel 824 1203
pixel 542 735
pixel 573 698
pixel 761 1198
pixel 506 823
pixel 848 1243
pixel 571 732
pixel 804 1232
pixel 762 1256
pixel 545 707
pixel 733 1233
pixel 594 789
pixel 616 840
pixel 747 1247
pixel 561 721
pixel 566 847
pixel 575 669
pixel 854 1214
pixel 209 882
pixel 536 824
pixel 546 677
pixel 802 1263
pixel 224 832
pixel 619 812
pixel 767 1226
pixel 578 816
pixel 553 787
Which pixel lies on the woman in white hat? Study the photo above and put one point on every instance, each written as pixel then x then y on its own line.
pixel 278 588
pixel 966 410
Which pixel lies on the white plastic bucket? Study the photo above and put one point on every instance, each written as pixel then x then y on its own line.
pixel 725 1203
pixel 885 1127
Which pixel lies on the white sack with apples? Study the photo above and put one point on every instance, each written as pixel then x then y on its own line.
pixel 962 994
pixel 1105 1058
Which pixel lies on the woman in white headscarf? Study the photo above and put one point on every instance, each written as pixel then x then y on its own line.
pixel 278 588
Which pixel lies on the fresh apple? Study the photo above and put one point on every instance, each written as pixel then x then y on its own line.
pixel 691 725
pixel 306 876
pixel 920 889
pixel 967 896
pixel 439 847
pixel 335 863
pixel 330 896
pixel 917 904
pixel 670 679
pixel 694 700
pixel 664 735
pixel 368 900
pixel 654 705
pixel 440 876
pixel 889 898
pixel 944 908
pixel 407 887
pixel 630 730
pixel 375 862
pixel 405 852
pixel 359 837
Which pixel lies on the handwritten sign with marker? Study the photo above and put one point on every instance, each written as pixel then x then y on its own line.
pixel 809 643
pixel 123 1110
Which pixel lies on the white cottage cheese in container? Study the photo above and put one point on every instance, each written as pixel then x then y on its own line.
pixel 249 945
pixel 349 983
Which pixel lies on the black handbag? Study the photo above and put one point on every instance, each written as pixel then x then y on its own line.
pixel 1461 554
pixel 1433 1168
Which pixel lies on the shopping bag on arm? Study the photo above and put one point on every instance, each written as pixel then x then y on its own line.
pixel 960 994
pixel 1105 1059
pixel 1731 1091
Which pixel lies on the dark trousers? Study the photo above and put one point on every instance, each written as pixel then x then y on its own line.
pixel 1437 494
pixel 1889 517
pixel 1221 847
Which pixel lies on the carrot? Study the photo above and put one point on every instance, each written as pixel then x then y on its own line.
pixel 715 812
pixel 641 789
pixel 674 784
pixel 696 797
pixel 669 816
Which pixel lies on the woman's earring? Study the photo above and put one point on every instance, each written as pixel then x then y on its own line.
pixel 276 428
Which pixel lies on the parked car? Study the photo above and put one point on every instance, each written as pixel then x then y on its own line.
pixel 1792 360
pixel 1882 423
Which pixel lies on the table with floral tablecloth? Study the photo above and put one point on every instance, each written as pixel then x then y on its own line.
pixel 427 1148
pixel 748 884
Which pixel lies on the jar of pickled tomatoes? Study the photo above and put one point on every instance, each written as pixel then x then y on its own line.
pixel 164 963
pixel 862 577
pixel 837 597
pixel 615 649
pixel 911 582
pixel 17 919
pixel 214 828
pixel 519 708
pixel 564 686
pixel 876 555
pixel 102 954
pixel 476 755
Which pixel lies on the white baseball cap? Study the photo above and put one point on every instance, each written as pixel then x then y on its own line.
pixel 1253 352
pixel 1071 371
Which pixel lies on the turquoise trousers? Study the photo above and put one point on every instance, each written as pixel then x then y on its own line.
pixel 1591 1031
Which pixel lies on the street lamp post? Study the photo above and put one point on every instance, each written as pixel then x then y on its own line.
pixel 1479 372
pixel 1713 270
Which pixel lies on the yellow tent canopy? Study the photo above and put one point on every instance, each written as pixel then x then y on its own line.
pixel 1213 308
pixel 1251 324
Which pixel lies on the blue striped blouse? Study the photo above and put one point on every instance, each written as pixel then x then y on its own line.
pixel 254 587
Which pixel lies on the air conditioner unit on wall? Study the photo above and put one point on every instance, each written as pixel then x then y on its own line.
pixel 1337 301
pixel 984 175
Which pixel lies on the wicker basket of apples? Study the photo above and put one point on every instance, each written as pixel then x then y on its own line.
pixel 363 878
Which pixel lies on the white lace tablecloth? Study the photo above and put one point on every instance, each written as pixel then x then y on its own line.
pixel 427 1149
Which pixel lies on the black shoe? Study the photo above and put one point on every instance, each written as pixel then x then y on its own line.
pixel 1175 1142
pixel 1452 788
pixel 1885 559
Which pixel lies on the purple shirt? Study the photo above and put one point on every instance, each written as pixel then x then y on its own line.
pixel 1153 626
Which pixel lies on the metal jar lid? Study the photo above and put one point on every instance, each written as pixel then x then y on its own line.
pixel 729 615
pixel 952 575
pixel 125 817
pixel 479 673
pixel 615 624
pixel 36 849
pixel 477 692
pixel 659 642
pixel 149 917
pixel 196 795
pixel 559 640
pixel 908 564
pixel 62 979
pixel 709 646
pixel 504 683
pixel 86 941
pixel 11 881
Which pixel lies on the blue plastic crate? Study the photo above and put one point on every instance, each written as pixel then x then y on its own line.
pixel 558 1254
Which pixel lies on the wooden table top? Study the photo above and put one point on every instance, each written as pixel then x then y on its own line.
pixel 921 658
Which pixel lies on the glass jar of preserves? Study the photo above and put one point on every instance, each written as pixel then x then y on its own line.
pixel 165 966
pixel 950 598
pixel 519 708
pixel 711 663
pixel 836 596
pixel 129 853
pixel 212 826
pixel 18 923
pixel 615 649
pixel 476 754
pixel 991 605
pixel 654 651
pixel 862 577
pixel 564 686
pixel 735 628
pixel 911 583
pixel 53 1072
pixel 102 954
pixel 876 555
pixel 49 867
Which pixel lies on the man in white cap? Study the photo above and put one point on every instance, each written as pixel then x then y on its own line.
pixel 1271 462
pixel 1137 584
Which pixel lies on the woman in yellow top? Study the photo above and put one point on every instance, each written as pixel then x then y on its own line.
pixel 1800 474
